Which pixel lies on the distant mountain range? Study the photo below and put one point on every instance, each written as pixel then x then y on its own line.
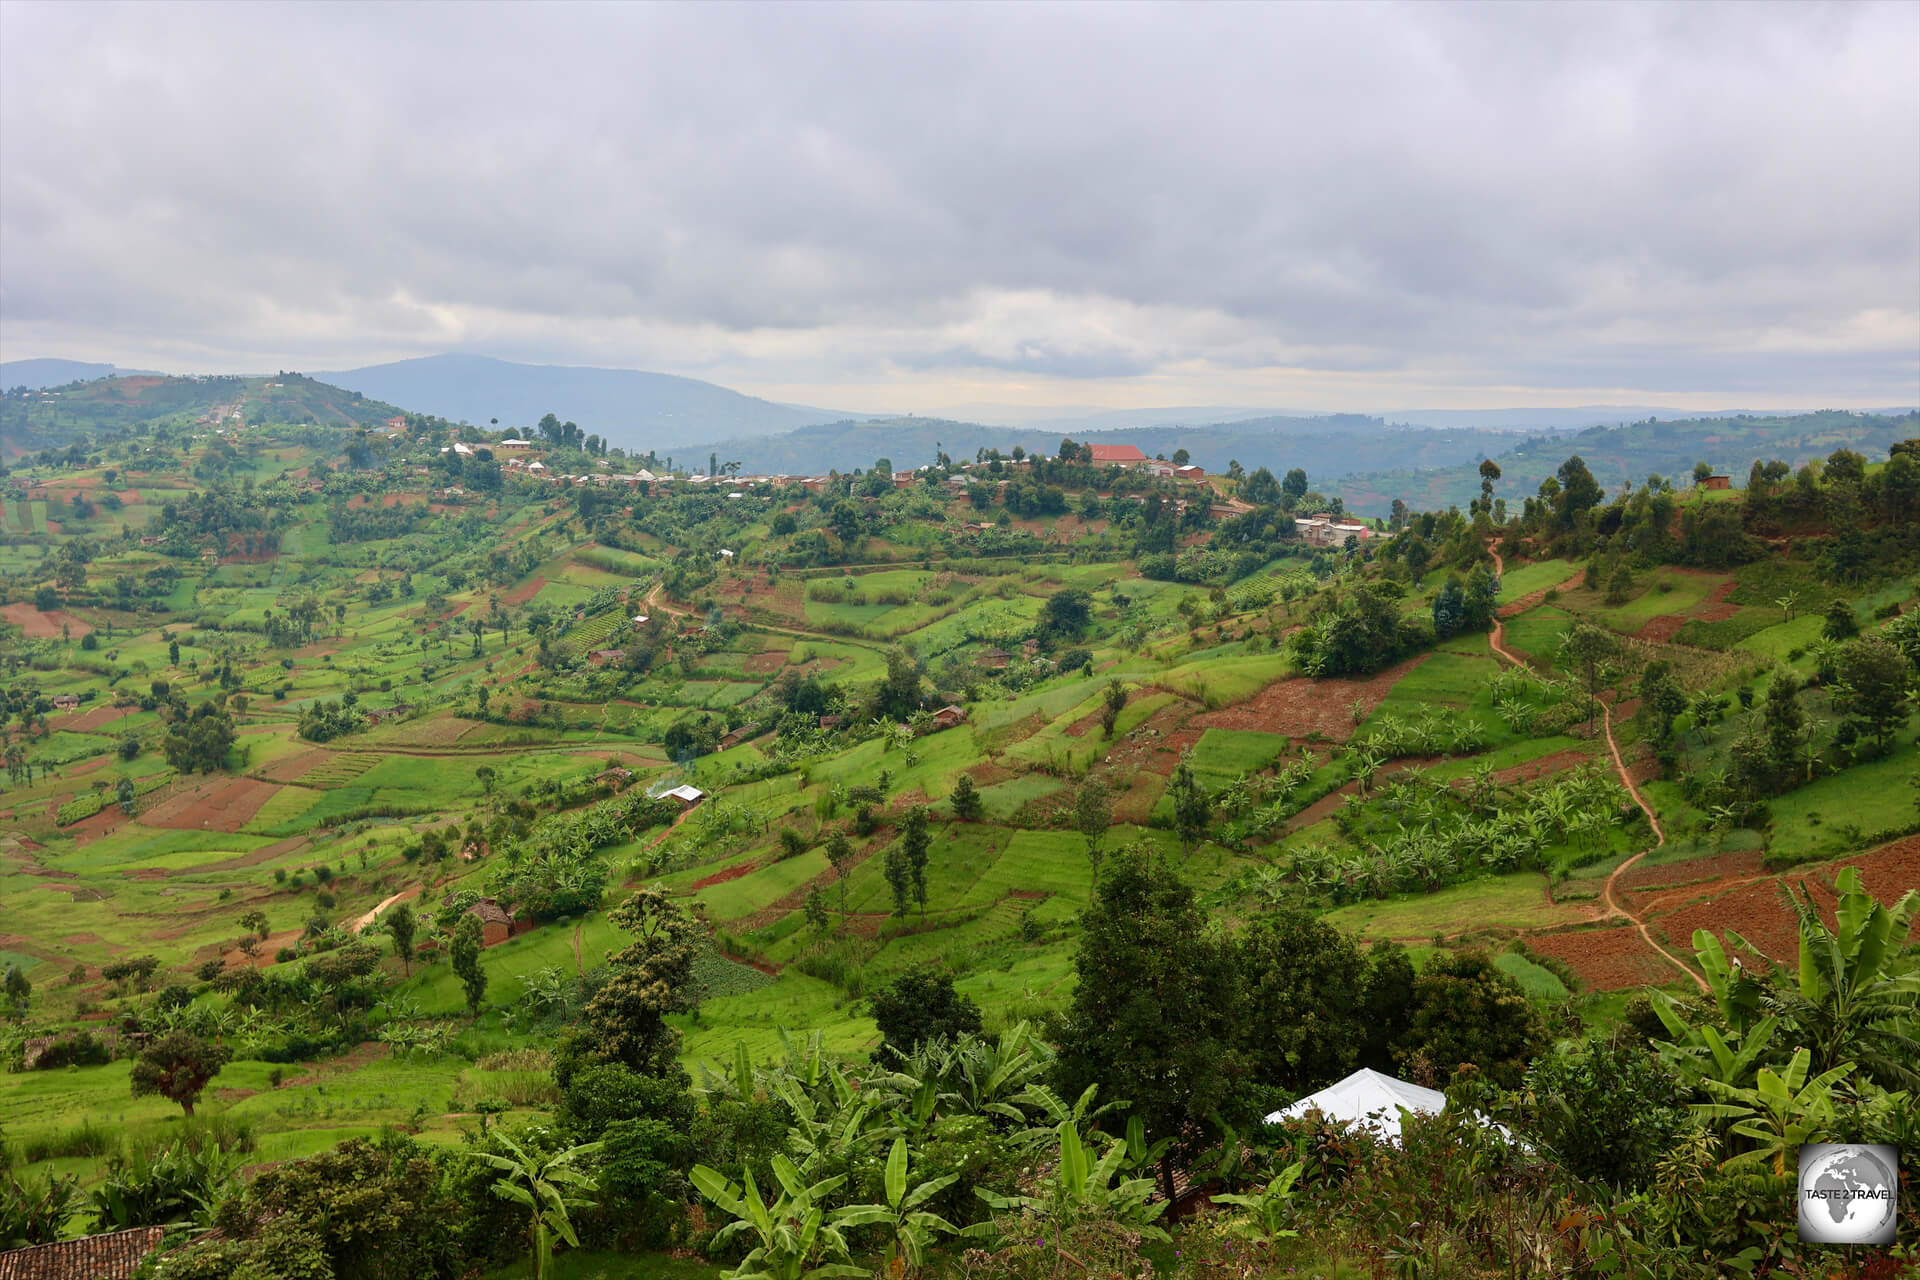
pixel 1628 454
pixel 1325 446
pixel 629 408
pixel 36 374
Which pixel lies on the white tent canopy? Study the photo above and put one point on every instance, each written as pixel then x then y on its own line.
pixel 1369 1099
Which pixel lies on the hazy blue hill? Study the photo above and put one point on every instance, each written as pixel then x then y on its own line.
pixel 626 406
pixel 1324 446
pixel 1622 453
pixel 1575 419
pixel 52 373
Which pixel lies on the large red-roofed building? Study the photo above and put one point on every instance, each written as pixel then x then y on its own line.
pixel 1124 455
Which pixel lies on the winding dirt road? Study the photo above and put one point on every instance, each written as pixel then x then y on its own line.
pixel 360 925
pixel 1609 894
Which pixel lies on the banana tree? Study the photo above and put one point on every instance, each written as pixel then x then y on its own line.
pixel 1853 1002
pixel 822 1133
pixel 1780 1112
pixel 1700 1054
pixel 797 1237
pixel 1082 1189
pixel 540 1183
pixel 1267 1210
pixel 911 1227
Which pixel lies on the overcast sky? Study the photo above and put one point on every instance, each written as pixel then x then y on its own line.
pixel 905 206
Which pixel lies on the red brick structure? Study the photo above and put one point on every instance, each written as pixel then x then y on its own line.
pixel 113 1256
pixel 496 922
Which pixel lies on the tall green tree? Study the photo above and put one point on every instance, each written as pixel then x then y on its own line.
pixel 840 857
pixel 918 1006
pixel 965 799
pixel 1386 1001
pixel 915 842
pixel 647 980
pixel 1842 623
pixel 1467 1010
pixel 1112 703
pixel 1588 649
pixel 464 951
pixel 1192 806
pixel 1092 816
pixel 898 694
pixel 1871 692
pixel 899 878
pixel 1155 1017
pixel 1661 700
pixel 1303 983
pixel 1578 492
pixel 401 924
pixel 178 1066
pixel 1783 723
pixel 18 991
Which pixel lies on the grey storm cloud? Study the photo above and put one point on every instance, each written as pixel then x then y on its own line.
pixel 1724 196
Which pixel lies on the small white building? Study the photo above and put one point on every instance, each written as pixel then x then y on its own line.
pixel 687 796
pixel 1368 1099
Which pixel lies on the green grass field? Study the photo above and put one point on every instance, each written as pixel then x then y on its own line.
pixel 1517 901
pixel 1523 580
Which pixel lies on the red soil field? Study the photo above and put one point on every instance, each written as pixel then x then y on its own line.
pixel 1731 895
pixel 1606 959
pixel 1136 803
pixel 43 626
pixel 225 805
pixel 1533 598
pixel 1719 867
pixel 1752 910
pixel 297 765
pixel 1531 769
pixel 1167 750
pixel 525 591
pixel 1323 808
pixel 721 877
pixel 1301 706
pixel 95 718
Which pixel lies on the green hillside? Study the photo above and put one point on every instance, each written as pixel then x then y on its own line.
pixel 1025 808
pixel 61 416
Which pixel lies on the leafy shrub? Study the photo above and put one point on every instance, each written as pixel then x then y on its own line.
pixel 86 1139
pixel 78 1049
pixel 81 806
